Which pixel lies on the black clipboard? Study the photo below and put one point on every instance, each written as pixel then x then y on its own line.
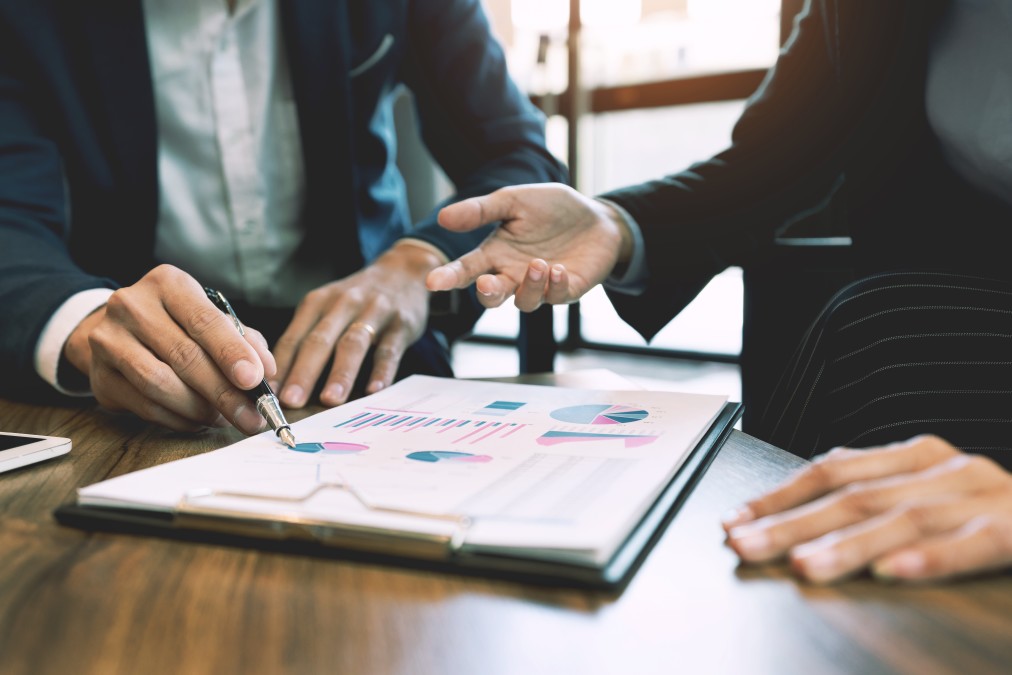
pixel 613 576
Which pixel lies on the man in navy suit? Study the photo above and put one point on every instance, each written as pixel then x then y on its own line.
pixel 247 144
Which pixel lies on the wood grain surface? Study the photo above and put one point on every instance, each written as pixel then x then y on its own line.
pixel 72 601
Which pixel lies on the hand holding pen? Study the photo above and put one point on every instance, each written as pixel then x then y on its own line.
pixel 160 350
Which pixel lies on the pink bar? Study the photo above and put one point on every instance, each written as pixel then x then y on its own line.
pixel 472 433
pixel 494 431
pixel 519 427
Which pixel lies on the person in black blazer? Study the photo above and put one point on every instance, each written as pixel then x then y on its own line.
pixel 83 176
pixel 862 119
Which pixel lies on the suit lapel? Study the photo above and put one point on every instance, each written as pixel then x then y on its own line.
pixel 318 44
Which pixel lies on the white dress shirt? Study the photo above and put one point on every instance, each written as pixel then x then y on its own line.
pixel 230 171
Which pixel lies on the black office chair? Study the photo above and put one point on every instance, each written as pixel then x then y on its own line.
pixel 426 187
pixel 810 261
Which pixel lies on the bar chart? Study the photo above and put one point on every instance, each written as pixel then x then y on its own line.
pixel 450 430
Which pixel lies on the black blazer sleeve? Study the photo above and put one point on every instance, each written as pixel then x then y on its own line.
pixel 479 127
pixel 36 271
pixel 812 112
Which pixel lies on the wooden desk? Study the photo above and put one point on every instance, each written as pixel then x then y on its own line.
pixel 96 603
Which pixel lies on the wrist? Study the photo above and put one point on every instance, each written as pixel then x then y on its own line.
pixel 415 256
pixel 625 237
pixel 77 349
pixel 421 250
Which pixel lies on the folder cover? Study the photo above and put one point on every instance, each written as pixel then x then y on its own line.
pixel 538 484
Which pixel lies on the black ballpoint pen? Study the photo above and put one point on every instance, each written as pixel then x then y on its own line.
pixel 266 402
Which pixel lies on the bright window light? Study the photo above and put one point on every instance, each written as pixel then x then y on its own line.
pixel 610 13
pixel 540 16
pixel 732 9
pixel 549 16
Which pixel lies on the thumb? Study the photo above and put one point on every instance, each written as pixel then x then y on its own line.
pixel 459 273
pixel 472 213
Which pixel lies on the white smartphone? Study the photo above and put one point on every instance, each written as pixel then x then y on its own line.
pixel 21 449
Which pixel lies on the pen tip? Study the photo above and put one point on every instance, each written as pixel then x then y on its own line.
pixel 287 437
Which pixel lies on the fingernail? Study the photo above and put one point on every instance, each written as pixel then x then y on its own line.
pixel 248 419
pixel 293 395
pixel 273 384
pixel 375 386
pixel 908 564
pixel 556 274
pixel 817 562
pixel 245 373
pixel 737 516
pixel 749 542
pixel 535 273
pixel 333 394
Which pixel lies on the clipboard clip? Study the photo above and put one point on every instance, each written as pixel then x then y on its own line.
pixel 191 510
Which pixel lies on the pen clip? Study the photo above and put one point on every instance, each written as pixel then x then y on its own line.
pixel 219 299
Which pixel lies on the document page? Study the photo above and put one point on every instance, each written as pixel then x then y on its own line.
pixel 540 471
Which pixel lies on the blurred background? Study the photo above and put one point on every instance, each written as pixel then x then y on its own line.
pixel 634 89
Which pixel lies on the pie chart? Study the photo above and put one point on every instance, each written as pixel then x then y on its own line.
pixel 448 456
pixel 330 448
pixel 599 413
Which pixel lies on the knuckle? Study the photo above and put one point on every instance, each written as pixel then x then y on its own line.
pixel 120 304
pixel 922 517
pixel 100 341
pixel 354 296
pixel 313 298
pixel 203 319
pixel 382 304
pixel 974 467
pixel 387 353
pixel 356 338
pixel 937 446
pixel 152 380
pixel 184 356
pixel 997 532
pixel 327 326
pixel 821 475
pixel 978 464
pixel 165 273
pixel 226 400
pixel 286 344
pixel 318 338
pixel 860 500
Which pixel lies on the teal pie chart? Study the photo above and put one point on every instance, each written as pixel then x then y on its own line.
pixel 599 413
pixel 434 456
pixel 330 448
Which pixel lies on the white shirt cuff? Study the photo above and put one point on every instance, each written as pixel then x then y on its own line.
pixel 58 329
pixel 633 281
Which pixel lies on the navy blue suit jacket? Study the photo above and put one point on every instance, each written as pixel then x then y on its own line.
pixel 78 147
